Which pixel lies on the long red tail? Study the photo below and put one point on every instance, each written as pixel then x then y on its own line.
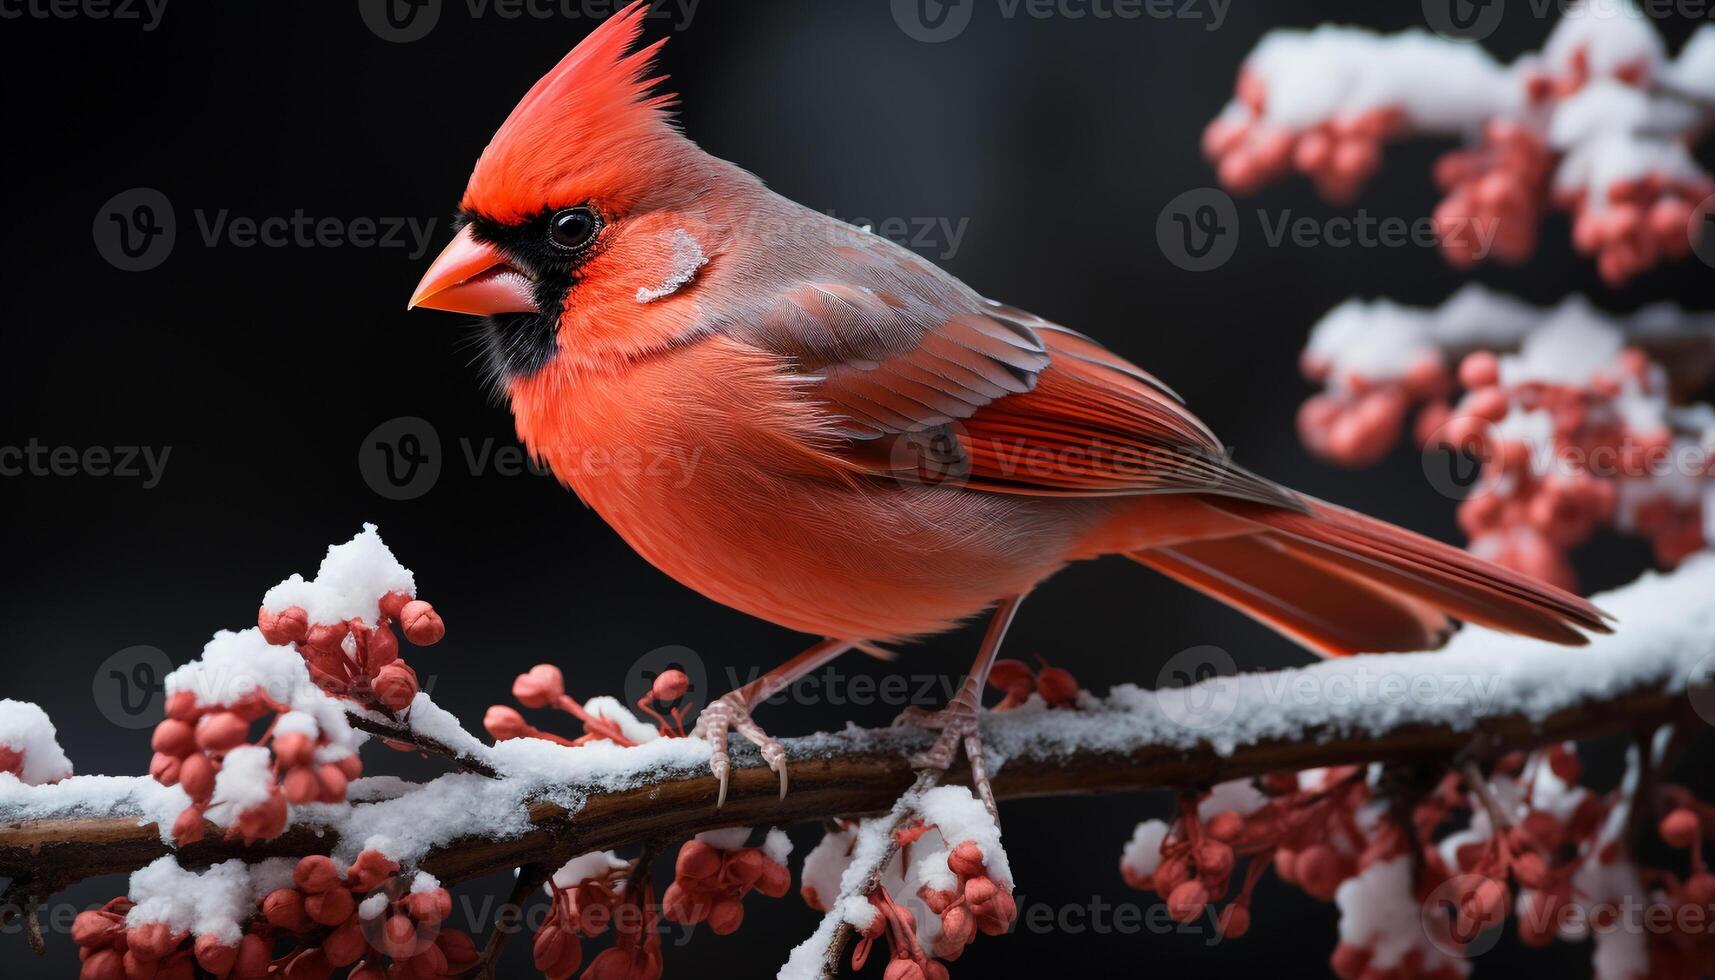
pixel 1342 583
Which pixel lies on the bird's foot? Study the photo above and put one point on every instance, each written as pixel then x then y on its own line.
pixel 958 724
pixel 731 712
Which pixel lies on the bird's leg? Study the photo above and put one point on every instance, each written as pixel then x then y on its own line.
pixel 957 722
pixel 731 712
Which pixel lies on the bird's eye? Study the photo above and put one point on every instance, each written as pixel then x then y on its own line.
pixel 573 229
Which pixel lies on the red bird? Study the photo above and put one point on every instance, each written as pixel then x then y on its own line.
pixel 870 450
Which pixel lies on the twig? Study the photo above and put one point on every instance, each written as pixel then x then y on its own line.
pixel 530 878
pixel 406 736
pixel 1485 794
pixel 905 809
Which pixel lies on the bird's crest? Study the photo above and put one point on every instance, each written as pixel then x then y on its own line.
pixel 573 132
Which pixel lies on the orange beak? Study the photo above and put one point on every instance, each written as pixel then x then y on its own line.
pixel 472 277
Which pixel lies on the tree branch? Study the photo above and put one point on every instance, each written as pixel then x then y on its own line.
pixel 843 776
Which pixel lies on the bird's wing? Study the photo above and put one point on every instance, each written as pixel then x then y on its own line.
pixel 925 381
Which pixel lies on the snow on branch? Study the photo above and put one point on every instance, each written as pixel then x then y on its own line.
pixel 1578 419
pixel 931 875
pixel 1599 123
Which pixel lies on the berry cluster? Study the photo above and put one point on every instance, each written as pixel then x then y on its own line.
pixel 352 660
pixel 603 718
pixel 293 761
pixel 354 920
pixel 1586 125
pixel 112 951
pixel 590 894
pixel 1338 154
pixel 169 928
pixel 1014 678
pixel 1496 193
pixel 714 871
pixel 1191 863
pixel 1574 432
pixel 1528 841
pixel 1545 492
pixel 29 745
pixel 933 897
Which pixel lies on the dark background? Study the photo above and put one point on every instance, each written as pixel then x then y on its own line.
pixel 265 369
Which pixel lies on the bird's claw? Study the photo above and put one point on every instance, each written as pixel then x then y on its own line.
pixel 958 725
pixel 730 713
pixel 917 717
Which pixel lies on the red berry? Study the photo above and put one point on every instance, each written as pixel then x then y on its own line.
pixel 421 623
pixel 726 916
pixel 697 860
pixel 221 731
pixel 1226 826
pixel 670 686
pixel 315 874
pixel 284 907
pixel 1681 828
pixel 1234 922
pixel 1187 901
pixel 966 861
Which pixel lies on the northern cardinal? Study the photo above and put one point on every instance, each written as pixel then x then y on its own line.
pixel 813 425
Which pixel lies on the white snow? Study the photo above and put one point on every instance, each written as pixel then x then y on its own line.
pixel 729 839
pixel 1608 130
pixel 1611 33
pixel 1569 348
pixel 1238 795
pixel 246 780
pixel 1142 853
pixel 432 721
pixel 241 665
pixel 235 666
pixel 211 903
pixel 1379 911
pixel 777 846
pixel 1333 71
pixel 348 585
pixel 26 730
pixel 587 867
pixel 92 797
pixel 610 708
pixel 847 903
pixel 1379 340
pixel 958 817
pixel 1611 132
pixel 824 866
pixel 1664 624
